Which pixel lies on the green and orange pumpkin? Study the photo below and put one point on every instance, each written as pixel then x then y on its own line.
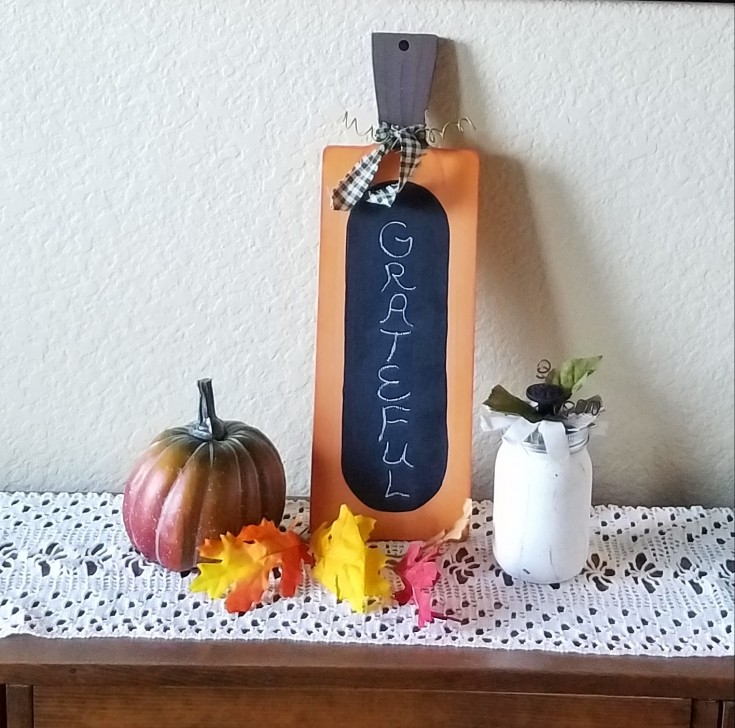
pixel 199 481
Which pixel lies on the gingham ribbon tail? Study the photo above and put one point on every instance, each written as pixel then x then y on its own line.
pixel 355 185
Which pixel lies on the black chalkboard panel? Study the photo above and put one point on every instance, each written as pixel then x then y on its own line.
pixel 394 416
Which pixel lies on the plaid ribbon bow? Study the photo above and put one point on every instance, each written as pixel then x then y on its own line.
pixel 410 140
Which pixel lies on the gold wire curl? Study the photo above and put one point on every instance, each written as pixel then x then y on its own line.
pixel 434 135
pixel 543 368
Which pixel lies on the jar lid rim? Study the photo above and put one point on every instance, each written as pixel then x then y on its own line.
pixel 577 440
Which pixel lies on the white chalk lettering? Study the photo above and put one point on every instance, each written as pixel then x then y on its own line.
pixel 394 271
pixel 387 421
pixel 404 242
pixel 394 385
pixel 401 460
pixel 389 492
pixel 390 383
pixel 398 304
pixel 395 335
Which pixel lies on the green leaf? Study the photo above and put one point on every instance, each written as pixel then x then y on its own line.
pixel 501 400
pixel 573 373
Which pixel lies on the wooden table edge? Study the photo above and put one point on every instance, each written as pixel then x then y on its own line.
pixel 28 660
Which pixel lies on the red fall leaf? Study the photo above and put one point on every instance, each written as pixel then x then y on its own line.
pixel 418 572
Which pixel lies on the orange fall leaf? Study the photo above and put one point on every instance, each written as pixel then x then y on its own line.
pixel 243 564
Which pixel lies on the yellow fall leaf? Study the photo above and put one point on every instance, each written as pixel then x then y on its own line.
pixel 375 584
pixel 345 564
pixel 236 561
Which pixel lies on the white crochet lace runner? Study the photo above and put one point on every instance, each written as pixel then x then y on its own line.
pixel 659 581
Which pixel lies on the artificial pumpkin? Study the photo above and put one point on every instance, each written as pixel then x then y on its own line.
pixel 199 481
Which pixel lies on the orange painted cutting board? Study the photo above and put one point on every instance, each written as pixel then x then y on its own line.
pixel 392 434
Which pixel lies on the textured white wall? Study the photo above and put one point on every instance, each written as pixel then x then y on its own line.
pixel 158 219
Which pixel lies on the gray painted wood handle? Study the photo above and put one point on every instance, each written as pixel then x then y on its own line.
pixel 403 68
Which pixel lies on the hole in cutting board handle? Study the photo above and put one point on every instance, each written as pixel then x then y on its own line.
pixel 403 45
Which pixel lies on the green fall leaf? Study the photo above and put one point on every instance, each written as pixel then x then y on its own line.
pixel 501 400
pixel 573 373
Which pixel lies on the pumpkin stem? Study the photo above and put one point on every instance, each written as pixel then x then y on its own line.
pixel 209 426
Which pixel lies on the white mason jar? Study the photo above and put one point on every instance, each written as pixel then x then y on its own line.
pixel 541 509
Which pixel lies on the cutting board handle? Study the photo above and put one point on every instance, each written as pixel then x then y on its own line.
pixel 403 68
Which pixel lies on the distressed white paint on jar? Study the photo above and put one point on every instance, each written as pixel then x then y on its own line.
pixel 541 510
